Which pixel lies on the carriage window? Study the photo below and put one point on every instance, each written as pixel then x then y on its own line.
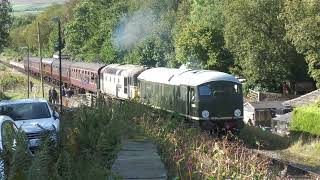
pixel 205 91
pixel 125 85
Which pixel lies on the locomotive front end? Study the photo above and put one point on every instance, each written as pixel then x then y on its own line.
pixel 220 105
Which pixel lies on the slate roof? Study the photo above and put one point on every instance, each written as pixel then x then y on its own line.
pixel 284 117
pixel 306 99
pixel 267 105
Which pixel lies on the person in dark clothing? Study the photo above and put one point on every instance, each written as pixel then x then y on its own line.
pixel 54 96
pixel 31 86
pixel 50 95
pixel 63 93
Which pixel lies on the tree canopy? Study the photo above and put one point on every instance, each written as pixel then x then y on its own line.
pixel 265 42
pixel 5 22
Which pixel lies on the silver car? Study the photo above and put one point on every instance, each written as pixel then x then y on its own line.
pixel 33 116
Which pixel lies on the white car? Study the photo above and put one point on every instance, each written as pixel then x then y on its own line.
pixel 33 116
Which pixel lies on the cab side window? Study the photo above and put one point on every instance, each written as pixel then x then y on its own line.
pixel 204 90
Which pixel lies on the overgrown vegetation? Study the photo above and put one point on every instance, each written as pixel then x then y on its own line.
pixel 11 81
pixel 304 151
pixel 90 139
pixel 191 154
pixel 256 138
pixel 306 120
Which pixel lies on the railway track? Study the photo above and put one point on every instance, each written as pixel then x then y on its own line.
pixel 289 169
pixel 25 73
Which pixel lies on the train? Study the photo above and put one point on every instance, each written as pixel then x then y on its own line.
pixel 213 99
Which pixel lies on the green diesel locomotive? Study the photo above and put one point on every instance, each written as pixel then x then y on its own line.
pixel 212 98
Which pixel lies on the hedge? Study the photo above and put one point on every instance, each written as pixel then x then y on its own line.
pixel 306 120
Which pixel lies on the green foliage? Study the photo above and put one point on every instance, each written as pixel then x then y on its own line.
pixel 201 40
pixel 265 42
pixel 255 35
pixel 255 137
pixel 306 120
pixel 190 154
pixel 9 80
pixel 25 31
pixel 90 139
pixel 5 21
pixel 302 21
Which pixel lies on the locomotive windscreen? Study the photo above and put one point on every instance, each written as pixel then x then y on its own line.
pixel 219 89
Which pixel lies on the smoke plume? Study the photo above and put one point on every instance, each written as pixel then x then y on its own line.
pixel 134 29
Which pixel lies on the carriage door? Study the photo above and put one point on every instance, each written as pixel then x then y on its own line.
pixel 125 87
pixel 191 100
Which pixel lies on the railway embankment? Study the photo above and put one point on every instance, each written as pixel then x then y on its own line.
pixel 187 152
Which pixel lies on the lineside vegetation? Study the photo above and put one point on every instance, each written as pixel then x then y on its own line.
pixel 306 120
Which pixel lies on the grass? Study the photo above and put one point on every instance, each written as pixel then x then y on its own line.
pixel 20 90
pixel 304 152
pixel 306 120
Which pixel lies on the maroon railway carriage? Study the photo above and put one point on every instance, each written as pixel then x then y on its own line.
pixel 85 75
pixel 47 67
pixel 65 70
pixel 34 65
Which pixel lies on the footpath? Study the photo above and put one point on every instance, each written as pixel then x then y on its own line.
pixel 138 159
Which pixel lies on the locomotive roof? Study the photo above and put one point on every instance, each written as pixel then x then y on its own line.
pixel 184 76
pixel 87 66
pixel 125 69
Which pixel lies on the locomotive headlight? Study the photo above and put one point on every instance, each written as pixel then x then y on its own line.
pixel 237 113
pixel 205 114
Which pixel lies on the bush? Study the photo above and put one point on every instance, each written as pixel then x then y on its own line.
pixel 190 154
pixel 306 120
pixel 9 80
pixel 90 139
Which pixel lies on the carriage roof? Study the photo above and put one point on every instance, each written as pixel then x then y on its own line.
pixel 184 76
pixel 87 66
pixel 124 70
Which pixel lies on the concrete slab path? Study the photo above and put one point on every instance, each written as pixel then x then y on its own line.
pixel 139 160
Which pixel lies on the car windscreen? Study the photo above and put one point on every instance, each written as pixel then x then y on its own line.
pixel 26 111
pixel 219 89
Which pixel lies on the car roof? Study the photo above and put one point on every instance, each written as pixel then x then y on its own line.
pixel 20 101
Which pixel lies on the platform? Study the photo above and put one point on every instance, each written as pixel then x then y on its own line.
pixel 139 160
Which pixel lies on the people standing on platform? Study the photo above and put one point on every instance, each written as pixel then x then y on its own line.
pixel 50 95
pixel 63 93
pixel 54 96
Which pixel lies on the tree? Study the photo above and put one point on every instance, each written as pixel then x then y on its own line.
pixel 5 21
pixel 302 22
pixel 254 33
pixel 201 40
pixel 25 30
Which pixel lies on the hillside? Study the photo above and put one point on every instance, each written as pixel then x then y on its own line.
pixel 36 1
pixel 21 7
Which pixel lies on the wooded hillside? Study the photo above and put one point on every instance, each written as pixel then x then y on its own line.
pixel 266 42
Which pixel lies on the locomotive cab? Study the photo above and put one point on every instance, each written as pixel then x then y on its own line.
pixel 218 104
